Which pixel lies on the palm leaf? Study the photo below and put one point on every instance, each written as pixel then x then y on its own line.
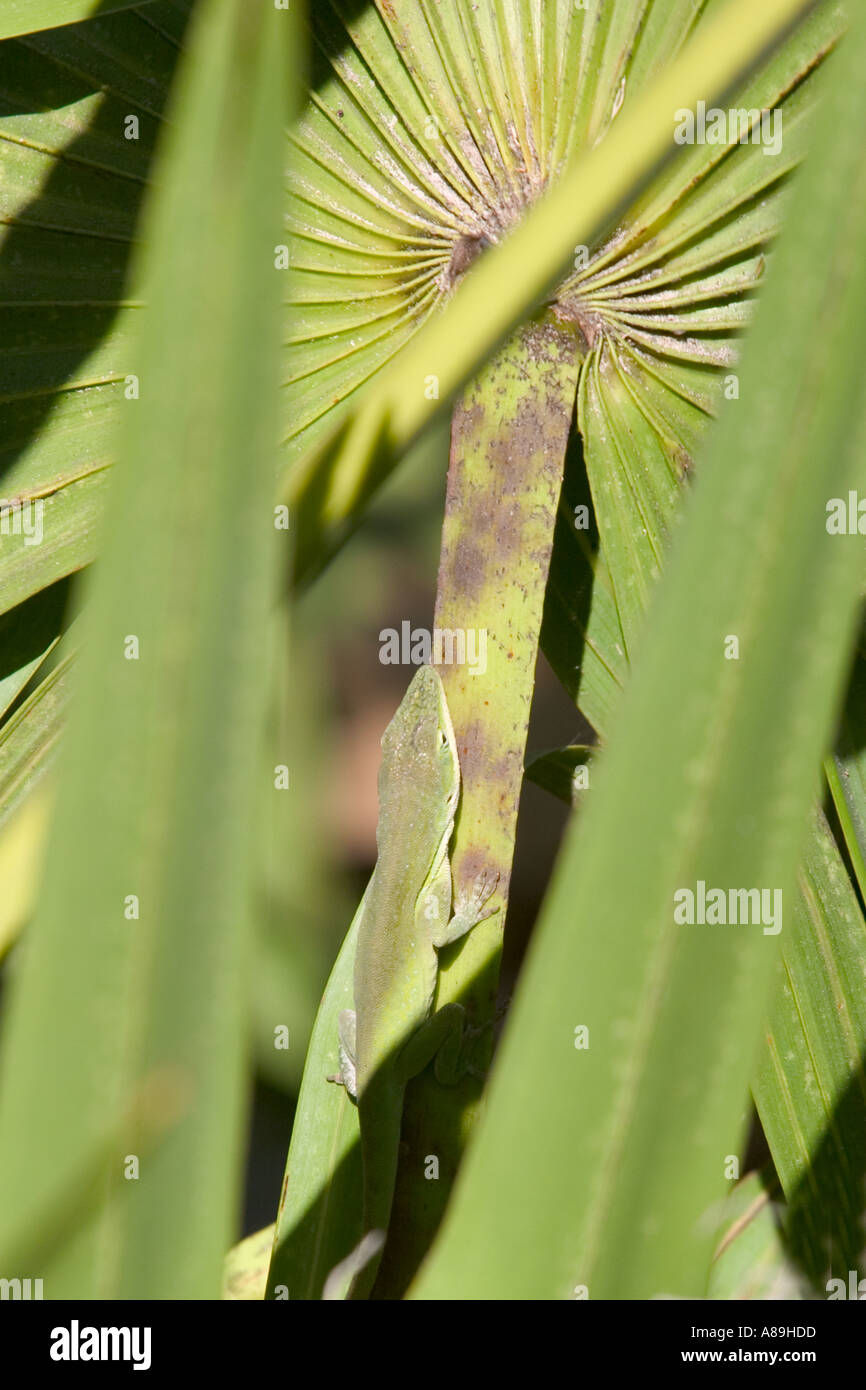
pixel 71 186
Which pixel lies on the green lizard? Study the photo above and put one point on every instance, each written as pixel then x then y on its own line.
pixel 392 1034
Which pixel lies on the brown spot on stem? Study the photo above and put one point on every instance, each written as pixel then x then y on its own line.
pixel 465 568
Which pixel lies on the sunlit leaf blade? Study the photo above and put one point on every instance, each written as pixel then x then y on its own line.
pixel 751 1260
pixel 810 1089
pixel 29 738
pixel 25 16
pixel 132 985
pixel 80 109
pixel 319 1218
pixel 22 838
pixel 586 1155
pixel 246 1267
pixel 27 636
pixel 71 523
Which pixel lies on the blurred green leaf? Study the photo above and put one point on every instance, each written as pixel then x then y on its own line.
pixel 301 902
pixel 132 985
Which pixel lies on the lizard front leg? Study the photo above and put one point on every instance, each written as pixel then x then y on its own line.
pixel 468 908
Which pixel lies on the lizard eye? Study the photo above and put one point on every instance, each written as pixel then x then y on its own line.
pixel 442 739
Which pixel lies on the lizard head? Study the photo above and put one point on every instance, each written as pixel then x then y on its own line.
pixel 420 738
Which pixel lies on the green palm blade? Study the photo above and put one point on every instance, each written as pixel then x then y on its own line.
pixel 125 1040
